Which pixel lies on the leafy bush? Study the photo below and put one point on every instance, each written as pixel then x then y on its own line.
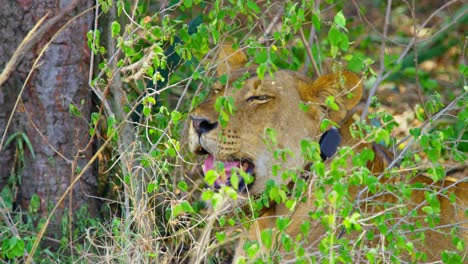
pixel 157 61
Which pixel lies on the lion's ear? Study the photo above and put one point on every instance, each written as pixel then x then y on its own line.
pixel 230 59
pixel 345 87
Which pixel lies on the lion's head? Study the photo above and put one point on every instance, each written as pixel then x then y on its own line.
pixel 272 102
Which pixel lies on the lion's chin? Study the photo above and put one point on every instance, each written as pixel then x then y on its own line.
pixel 224 179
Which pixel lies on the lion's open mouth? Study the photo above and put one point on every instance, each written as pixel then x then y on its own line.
pixel 224 179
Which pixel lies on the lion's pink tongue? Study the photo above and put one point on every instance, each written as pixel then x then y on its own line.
pixel 209 164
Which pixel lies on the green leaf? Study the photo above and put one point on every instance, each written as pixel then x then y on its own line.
pixel 286 242
pixel 146 111
pixel 320 169
pixel 437 173
pixel 282 223
pixel 223 79
pixel 367 155
pixel 415 132
pixel 28 144
pixel 340 19
pixel 356 63
pixel 184 35
pixel 187 207
pixel 316 21
pixel 330 102
pixel 115 28
pixel 151 187
pixel 182 185
pixel 110 126
pixel 183 207
pixel 262 68
pixel 219 103
pixel 207 195
pixel 267 237
pixel 210 177
pixel 271 135
pixel 344 42
pixel 16 247
pixel 305 227
pixel 433 154
pixel 35 203
pixel 74 110
pixel 175 117
pixel 326 123
pixel 464 70
pixel 188 3
pixel 221 236
pixel 177 210
pixel 451 257
pixel 428 210
pixel 382 137
pixel 215 35
pixel 334 36
pixel 261 56
pixel 252 249
pixel 94 118
pixel 253 6
pixel 234 180
pixel 304 106
pixel 351 223
pixel 7 197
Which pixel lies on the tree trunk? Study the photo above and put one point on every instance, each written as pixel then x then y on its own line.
pixel 60 140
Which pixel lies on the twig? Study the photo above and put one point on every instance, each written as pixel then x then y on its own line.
pixel 92 57
pixel 310 42
pixel 426 126
pixel 273 22
pixel 64 195
pixel 19 53
pixel 35 65
pixel 32 38
pixel 179 103
pixel 71 186
pixel 382 56
pixel 9 222
pixel 416 64
pixel 408 47
pixel 309 52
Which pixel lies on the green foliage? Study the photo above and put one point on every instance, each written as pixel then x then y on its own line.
pixel 165 59
pixel 13 247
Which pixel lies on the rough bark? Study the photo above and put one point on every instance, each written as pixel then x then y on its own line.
pixel 59 139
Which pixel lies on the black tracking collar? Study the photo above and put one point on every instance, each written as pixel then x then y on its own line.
pixel 329 142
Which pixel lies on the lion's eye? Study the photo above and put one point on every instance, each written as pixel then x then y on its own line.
pixel 259 98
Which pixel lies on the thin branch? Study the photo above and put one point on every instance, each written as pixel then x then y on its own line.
pixel 92 57
pixel 309 52
pixel 382 56
pixel 424 128
pixel 273 22
pixel 32 38
pixel 408 47
pixel 310 43
pixel 416 63
pixel 36 64
pixel 9 222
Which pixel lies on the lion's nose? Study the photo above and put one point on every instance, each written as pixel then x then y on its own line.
pixel 202 125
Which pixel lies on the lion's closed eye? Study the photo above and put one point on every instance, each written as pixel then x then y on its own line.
pixel 259 99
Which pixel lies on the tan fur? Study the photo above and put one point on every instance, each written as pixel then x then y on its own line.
pixel 243 137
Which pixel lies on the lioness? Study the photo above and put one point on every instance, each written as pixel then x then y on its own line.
pixel 273 102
